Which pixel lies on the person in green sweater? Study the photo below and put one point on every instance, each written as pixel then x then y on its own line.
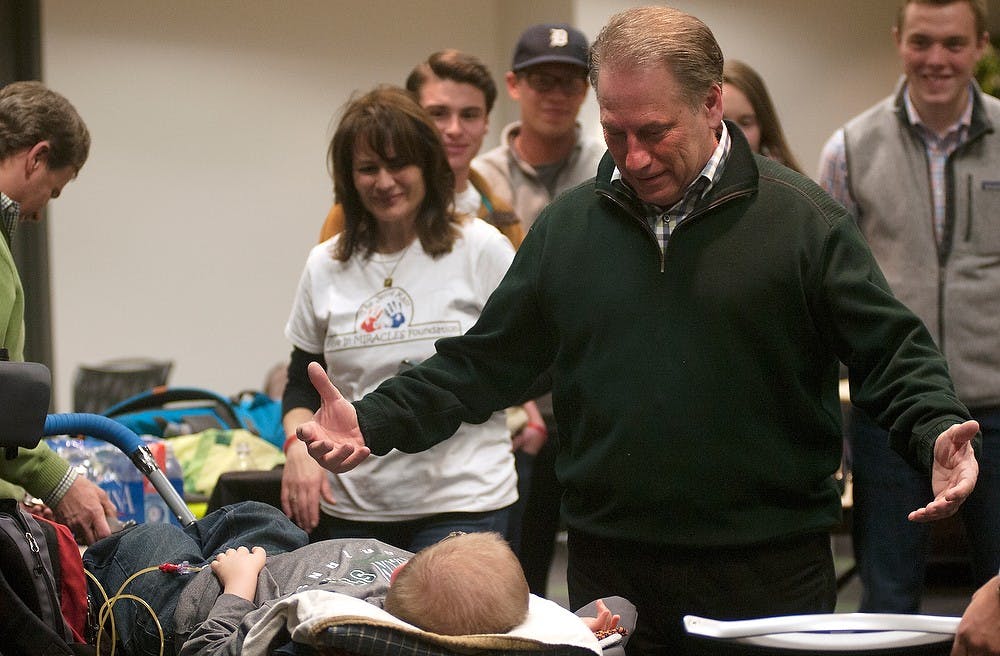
pixel 693 304
pixel 43 145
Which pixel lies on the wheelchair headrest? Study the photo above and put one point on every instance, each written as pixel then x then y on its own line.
pixel 25 390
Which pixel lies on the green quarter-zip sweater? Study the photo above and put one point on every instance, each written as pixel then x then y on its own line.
pixel 696 390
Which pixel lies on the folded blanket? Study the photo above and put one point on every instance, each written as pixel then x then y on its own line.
pixel 325 619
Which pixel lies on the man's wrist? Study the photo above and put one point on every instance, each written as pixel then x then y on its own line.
pixel 59 491
pixel 289 441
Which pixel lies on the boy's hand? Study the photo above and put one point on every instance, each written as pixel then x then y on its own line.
pixel 604 621
pixel 237 570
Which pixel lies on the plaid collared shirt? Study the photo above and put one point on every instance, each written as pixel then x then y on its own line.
pixel 10 213
pixel 665 221
pixel 938 148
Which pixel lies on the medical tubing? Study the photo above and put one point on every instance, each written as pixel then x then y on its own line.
pixel 110 431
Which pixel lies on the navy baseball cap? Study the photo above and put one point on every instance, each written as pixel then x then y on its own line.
pixel 550 43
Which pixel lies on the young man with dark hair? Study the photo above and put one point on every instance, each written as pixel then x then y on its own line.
pixel 545 152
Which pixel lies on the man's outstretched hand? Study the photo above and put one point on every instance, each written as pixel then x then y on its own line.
pixel 333 437
pixel 954 472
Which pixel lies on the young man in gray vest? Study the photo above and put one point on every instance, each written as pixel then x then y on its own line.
pixel 920 171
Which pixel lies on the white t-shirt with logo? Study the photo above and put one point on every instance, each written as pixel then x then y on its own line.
pixel 366 331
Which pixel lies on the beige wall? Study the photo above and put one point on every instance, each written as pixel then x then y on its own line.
pixel 821 61
pixel 185 234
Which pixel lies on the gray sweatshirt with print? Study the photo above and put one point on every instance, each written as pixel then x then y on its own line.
pixel 209 623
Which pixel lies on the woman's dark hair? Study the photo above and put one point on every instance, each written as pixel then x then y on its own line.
pixel 390 122
pixel 772 138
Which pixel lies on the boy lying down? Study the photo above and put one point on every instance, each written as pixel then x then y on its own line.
pixel 245 580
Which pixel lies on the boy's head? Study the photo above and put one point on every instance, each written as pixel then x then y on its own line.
pixel 466 584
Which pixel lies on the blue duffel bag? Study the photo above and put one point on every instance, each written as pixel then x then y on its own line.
pixel 170 411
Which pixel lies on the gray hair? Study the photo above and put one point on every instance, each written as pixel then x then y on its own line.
pixel 660 36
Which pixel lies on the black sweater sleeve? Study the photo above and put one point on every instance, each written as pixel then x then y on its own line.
pixel 299 392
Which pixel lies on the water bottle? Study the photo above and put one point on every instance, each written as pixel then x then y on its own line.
pixel 133 480
pixel 107 479
pixel 174 471
pixel 73 451
pixel 244 461
pixel 118 477
pixel 156 510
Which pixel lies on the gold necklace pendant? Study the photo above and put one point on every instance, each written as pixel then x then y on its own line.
pixel 387 282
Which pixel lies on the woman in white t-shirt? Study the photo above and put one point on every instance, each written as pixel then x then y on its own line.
pixel 405 271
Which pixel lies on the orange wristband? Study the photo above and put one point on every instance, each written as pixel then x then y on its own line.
pixel 288 442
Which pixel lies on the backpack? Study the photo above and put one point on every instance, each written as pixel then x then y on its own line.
pixel 171 411
pixel 43 592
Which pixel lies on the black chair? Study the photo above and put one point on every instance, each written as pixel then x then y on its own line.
pixel 25 391
pixel 97 387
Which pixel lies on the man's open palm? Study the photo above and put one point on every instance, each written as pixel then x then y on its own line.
pixel 333 437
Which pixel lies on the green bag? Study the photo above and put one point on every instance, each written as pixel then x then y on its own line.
pixel 207 455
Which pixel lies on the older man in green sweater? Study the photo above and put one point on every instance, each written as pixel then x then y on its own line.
pixel 43 145
pixel 693 304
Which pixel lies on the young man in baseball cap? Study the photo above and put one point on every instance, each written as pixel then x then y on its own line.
pixel 538 158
